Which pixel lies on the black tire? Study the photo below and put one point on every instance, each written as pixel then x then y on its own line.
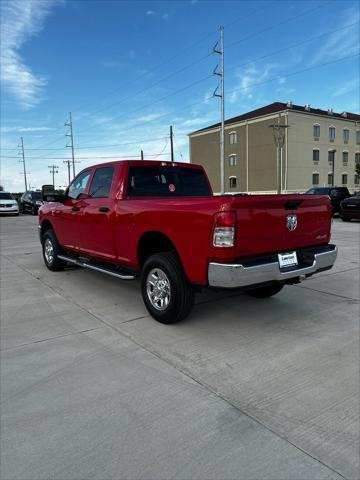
pixel 33 210
pixel 21 209
pixel 181 295
pixel 346 219
pixel 55 264
pixel 265 292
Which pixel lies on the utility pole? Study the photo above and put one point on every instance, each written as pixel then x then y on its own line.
pixel 53 170
pixel 279 139
pixel 221 74
pixel 171 143
pixel 23 160
pixel 69 163
pixel 332 152
pixel 142 155
pixel 71 143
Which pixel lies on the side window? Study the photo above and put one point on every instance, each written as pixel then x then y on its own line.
pixel 101 182
pixel 79 185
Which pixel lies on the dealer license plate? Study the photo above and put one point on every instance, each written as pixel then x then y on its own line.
pixel 287 259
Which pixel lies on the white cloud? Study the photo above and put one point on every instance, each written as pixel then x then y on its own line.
pixel 342 43
pixel 248 79
pixel 25 129
pixel 20 21
pixel 347 87
pixel 165 16
pixel 150 12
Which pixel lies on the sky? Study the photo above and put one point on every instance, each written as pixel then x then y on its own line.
pixel 127 70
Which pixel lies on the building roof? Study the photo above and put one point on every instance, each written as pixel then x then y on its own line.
pixel 280 107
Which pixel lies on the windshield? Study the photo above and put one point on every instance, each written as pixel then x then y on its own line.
pixel 318 191
pixel 36 195
pixel 5 196
pixel 167 182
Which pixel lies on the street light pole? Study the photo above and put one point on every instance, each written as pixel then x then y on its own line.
pixel 279 139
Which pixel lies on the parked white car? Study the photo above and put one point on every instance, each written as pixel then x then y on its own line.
pixel 8 204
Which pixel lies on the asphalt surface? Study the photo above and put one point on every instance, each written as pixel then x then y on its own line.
pixel 92 387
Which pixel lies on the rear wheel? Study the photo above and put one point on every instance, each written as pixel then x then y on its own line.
pixel 346 219
pixel 167 294
pixel 265 292
pixel 51 250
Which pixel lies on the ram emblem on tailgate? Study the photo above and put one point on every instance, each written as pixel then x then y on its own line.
pixel 291 222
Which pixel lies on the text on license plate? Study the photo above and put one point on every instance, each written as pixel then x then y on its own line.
pixel 287 259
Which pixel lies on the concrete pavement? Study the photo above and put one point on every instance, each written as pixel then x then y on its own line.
pixel 92 387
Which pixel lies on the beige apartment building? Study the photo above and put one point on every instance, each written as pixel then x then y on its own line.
pixel 313 139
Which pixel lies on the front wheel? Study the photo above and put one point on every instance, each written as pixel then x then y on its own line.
pixel 51 250
pixel 167 294
pixel 346 219
pixel 265 292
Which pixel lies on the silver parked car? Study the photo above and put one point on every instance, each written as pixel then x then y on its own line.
pixel 8 204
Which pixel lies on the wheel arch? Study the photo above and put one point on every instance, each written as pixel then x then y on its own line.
pixel 153 242
pixel 45 226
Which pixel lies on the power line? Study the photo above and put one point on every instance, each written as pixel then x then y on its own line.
pixel 270 27
pixel 308 40
pixel 280 75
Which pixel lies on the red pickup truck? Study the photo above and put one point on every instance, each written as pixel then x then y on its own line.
pixel 161 221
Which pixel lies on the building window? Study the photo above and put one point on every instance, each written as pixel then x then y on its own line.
pixel 315 179
pixel 331 156
pixel 330 179
pixel 232 182
pixel 316 155
pixel 356 179
pixel 346 134
pixel 344 179
pixel 345 158
pixel 316 132
pixel 232 138
pixel 331 134
pixel 232 160
pixel 357 158
pixel 358 137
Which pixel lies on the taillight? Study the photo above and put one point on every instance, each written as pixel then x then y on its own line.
pixel 224 229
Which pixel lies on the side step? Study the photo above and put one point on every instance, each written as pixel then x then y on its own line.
pixel 79 263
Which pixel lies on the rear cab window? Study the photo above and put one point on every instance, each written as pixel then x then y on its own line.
pixel 167 181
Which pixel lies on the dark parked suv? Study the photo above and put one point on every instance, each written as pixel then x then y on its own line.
pixel 30 202
pixel 336 194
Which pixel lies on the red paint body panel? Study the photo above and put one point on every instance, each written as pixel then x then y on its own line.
pixel 187 222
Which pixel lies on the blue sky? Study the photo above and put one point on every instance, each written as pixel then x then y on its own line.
pixel 129 69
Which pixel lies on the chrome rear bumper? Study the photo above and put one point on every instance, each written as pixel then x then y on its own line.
pixel 226 275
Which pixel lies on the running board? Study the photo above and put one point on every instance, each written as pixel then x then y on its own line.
pixel 79 263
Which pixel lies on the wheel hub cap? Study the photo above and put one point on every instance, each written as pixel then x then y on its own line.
pixel 158 289
pixel 49 251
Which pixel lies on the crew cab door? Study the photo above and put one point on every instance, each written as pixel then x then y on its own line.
pixel 68 215
pixel 98 215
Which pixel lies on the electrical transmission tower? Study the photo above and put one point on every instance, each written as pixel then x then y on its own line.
pixel 53 170
pixel 221 95
pixel 22 153
pixel 70 134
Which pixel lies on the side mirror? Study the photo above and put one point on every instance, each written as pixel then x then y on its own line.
pixel 47 190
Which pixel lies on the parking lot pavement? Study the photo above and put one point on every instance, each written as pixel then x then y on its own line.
pixel 92 387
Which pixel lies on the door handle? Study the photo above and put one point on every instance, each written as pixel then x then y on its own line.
pixel 75 209
pixel 104 209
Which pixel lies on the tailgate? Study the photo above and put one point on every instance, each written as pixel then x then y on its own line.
pixel 265 223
